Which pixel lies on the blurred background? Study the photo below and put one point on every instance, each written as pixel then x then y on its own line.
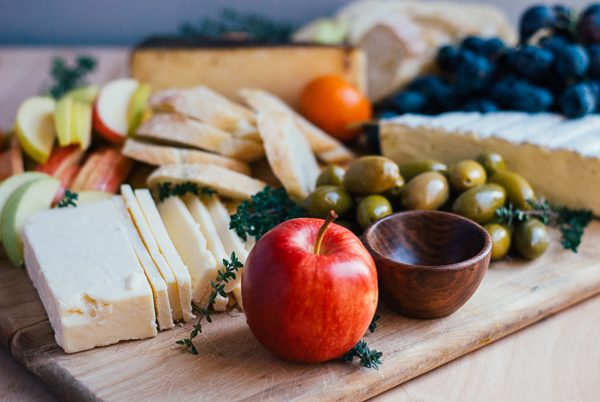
pixel 126 22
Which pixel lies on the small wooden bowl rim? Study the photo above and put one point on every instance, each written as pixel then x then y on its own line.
pixel 487 248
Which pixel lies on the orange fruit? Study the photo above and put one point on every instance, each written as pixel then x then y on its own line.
pixel 332 104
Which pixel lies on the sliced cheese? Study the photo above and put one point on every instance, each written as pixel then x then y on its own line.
pixel 226 182
pixel 237 293
pixel 190 243
pixel 88 276
pixel 165 155
pixel 157 282
pixel 182 275
pixel 152 246
pixel 221 303
pixel 221 218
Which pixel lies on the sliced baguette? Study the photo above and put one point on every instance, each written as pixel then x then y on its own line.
pixel 226 182
pixel 289 154
pixel 166 155
pixel 320 142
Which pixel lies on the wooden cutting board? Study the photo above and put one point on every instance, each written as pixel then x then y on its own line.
pixel 233 366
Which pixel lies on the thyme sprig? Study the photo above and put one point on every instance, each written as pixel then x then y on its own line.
pixel 367 357
pixel 267 209
pixel 223 276
pixel 571 222
pixel 68 200
pixel 166 190
pixel 67 78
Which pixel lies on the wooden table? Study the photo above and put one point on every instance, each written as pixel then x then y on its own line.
pixel 556 359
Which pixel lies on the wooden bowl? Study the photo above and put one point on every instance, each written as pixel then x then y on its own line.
pixel 429 263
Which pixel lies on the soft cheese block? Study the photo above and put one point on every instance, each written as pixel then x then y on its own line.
pixel 88 276
pixel 558 156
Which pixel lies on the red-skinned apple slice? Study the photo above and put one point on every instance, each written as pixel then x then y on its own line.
pixel 90 165
pixel 11 161
pixel 60 159
pixel 110 116
pixel 66 177
pixel 112 172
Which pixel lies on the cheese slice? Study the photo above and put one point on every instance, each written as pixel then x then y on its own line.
pixel 88 276
pixel 221 303
pixel 237 293
pixel 221 218
pixel 182 275
pixel 157 282
pixel 190 243
pixel 559 157
pixel 152 246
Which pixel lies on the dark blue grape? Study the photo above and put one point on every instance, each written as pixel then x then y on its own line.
pixel 531 62
pixel 473 73
pixel 554 42
pixel 387 114
pixel 563 16
pixel 472 43
pixel 578 100
pixel 480 105
pixel 440 96
pixel 410 102
pixel 572 61
pixel 594 52
pixel 493 48
pixel 514 94
pixel 534 19
pixel 372 134
pixel 588 26
pixel 447 58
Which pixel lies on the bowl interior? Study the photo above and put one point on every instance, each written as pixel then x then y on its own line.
pixel 427 238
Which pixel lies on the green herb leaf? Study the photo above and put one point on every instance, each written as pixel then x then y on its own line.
pixel 266 210
pixel 68 200
pixel 65 78
pixel 373 323
pixel 368 358
pixel 166 190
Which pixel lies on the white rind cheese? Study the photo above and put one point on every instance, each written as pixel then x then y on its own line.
pixel 182 275
pixel 190 244
pixel 158 284
pixel 88 276
pixel 559 157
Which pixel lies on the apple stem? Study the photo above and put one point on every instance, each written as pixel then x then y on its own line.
pixel 330 218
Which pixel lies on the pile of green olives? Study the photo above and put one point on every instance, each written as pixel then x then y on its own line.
pixel 375 186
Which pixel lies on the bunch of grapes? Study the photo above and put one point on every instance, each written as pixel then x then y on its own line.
pixel 556 68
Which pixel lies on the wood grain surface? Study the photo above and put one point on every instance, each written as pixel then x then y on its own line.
pixel 556 359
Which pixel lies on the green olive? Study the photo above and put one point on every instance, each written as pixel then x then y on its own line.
pixel 428 190
pixel 415 168
pixel 480 203
pixel 371 175
pixel 491 162
pixel 465 175
pixel 500 239
pixel 518 190
pixel 372 208
pixel 331 176
pixel 531 238
pixel 327 198
pixel 394 193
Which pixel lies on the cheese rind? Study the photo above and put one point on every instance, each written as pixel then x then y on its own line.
pixel 88 276
pixel 157 282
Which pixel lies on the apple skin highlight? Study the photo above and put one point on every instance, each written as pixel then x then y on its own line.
pixel 306 307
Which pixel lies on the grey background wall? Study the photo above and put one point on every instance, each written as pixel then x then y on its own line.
pixel 125 22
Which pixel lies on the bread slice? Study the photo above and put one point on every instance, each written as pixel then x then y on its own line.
pixel 320 142
pixel 289 154
pixel 226 182
pixel 167 155
pixel 242 149
pixel 208 106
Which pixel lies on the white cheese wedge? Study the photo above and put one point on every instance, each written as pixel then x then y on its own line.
pixel 559 157
pixel 221 303
pixel 182 275
pixel 152 247
pixel 157 282
pixel 190 243
pixel 237 293
pixel 88 276
pixel 231 241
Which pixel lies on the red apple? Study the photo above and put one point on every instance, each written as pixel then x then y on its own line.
pixel 112 171
pixel 11 160
pixel 87 170
pixel 110 115
pixel 61 158
pixel 305 302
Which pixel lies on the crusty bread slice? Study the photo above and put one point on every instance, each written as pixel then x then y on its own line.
pixel 289 154
pixel 226 182
pixel 243 149
pixel 320 142
pixel 166 155
pixel 208 106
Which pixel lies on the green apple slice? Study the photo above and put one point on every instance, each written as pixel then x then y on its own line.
pixel 33 196
pixel 35 127
pixel 62 120
pixel 9 185
pixel 137 105
pixel 81 124
pixel 85 94
pixel 90 196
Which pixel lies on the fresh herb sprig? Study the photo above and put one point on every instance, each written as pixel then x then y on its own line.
pixel 571 222
pixel 68 200
pixel 67 78
pixel 253 26
pixel 223 276
pixel 166 190
pixel 367 357
pixel 267 209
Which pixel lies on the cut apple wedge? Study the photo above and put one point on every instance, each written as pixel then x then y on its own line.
pixel 63 164
pixel 110 113
pixel 33 196
pixel 81 124
pixel 90 165
pixel 35 127
pixel 112 170
pixel 11 160
pixel 87 94
pixel 62 120
pixel 137 106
